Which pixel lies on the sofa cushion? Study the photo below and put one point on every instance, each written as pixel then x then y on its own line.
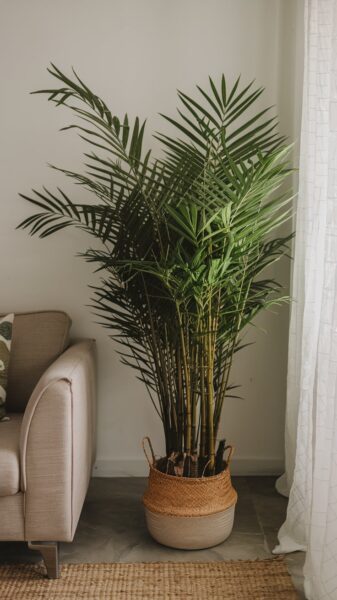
pixel 10 455
pixel 38 339
pixel 6 326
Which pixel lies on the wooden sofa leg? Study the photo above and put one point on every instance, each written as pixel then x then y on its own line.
pixel 50 555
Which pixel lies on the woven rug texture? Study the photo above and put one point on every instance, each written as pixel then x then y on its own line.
pixel 234 580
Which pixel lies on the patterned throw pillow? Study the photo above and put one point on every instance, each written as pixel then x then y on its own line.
pixel 6 325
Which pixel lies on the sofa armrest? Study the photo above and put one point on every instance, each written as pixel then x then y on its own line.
pixel 57 445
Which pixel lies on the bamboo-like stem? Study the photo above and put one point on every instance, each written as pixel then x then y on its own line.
pixel 227 370
pixel 171 391
pixel 210 389
pixel 203 423
pixel 180 404
pixel 195 374
pixel 188 416
pixel 155 351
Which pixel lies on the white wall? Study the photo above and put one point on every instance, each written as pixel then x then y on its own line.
pixel 134 53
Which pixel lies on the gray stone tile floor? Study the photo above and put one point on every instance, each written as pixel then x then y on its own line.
pixel 112 528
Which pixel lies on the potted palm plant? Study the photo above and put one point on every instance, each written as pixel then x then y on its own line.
pixel 183 240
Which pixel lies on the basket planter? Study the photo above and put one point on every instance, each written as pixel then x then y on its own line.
pixel 189 513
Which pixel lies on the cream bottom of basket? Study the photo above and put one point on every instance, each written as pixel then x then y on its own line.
pixel 190 533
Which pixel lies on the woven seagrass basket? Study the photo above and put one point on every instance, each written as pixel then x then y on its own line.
pixel 189 513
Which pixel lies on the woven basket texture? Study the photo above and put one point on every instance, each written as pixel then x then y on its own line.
pixel 240 580
pixel 189 497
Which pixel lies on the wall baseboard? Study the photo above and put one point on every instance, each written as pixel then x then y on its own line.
pixel 137 467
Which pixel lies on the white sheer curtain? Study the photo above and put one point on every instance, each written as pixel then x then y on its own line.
pixel 311 522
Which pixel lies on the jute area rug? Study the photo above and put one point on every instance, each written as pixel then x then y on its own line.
pixel 236 580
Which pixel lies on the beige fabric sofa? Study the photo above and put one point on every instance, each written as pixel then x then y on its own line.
pixel 47 448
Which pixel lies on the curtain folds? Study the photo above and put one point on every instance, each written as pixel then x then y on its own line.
pixel 311 421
